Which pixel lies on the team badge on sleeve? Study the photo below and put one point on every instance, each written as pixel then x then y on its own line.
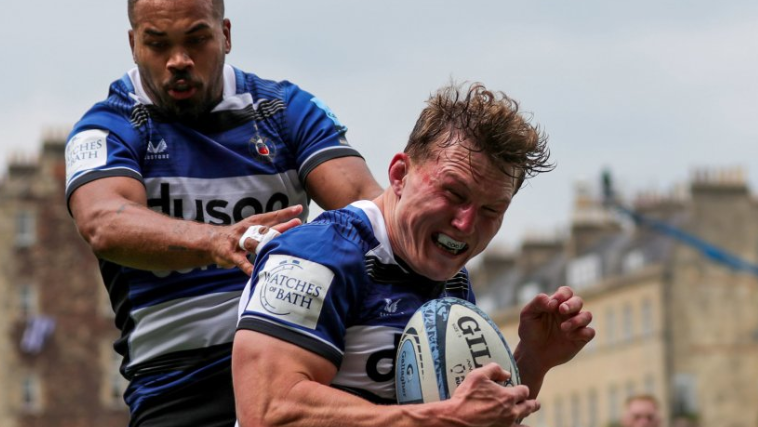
pixel 86 150
pixel 329 113
pixel 291 289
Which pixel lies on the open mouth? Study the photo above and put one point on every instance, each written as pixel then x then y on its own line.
pixel 449 244
pixel 182 93
pixel 182 88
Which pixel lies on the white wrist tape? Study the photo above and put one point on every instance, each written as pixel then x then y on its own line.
pixel 254 232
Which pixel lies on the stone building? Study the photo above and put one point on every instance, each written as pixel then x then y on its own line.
pixel 674 298
pixel 57 364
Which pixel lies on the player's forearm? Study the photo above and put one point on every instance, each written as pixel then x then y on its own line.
pixel 310 404
pixel 134 236
pixel 532 375
pixel 339 182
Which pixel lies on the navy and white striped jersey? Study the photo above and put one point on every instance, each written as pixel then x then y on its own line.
pixel 250 155
pixel 334 287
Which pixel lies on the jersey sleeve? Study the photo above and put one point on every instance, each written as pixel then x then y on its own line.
pixel 303 290
pixel 314 129
pixel 103 144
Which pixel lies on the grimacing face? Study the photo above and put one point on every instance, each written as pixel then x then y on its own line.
pixel 446 213
pixel 179 47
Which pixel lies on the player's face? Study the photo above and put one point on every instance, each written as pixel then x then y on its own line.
pixel 179 47
pixel 641 413
pixel 447 213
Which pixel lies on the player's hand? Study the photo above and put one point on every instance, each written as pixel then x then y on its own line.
pixel 225 241
pixel 554 328
pixel 481 401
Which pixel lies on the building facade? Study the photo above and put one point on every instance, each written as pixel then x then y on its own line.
pixel 674 296
pixel 57 364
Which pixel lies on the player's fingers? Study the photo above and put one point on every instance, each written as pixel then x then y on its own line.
pixel 517 395
pixel 252 238
pixel 275 217
pixel 239 261
pixel 287 225
pixel 529 408
pixel 492 371
pixel 563 294
pixel 578 321
pixel 540 304
pixel 245 265
pixel 523 409
pixel 585 334
pixel 571 305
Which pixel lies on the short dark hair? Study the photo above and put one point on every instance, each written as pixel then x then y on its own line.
pixel 490 121
pixel 218 6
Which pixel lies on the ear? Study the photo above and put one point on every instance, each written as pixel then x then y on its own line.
pixel 227 35
pixel 398 171
pixel 131 44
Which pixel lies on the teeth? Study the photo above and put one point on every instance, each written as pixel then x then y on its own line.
pixel 449 244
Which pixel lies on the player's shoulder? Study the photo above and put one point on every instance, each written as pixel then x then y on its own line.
pixel 348 226
pixel 345 235
pixel 352 223
pixel 114 114
pixel 262 87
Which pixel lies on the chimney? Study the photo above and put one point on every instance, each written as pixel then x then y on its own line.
pixel 537 250
pixel 591 221
pixel 723 212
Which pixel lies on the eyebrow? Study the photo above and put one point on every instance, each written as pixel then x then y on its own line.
pixel 457 180
pixel 198 27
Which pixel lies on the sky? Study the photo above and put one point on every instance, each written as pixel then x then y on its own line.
pixel 650 90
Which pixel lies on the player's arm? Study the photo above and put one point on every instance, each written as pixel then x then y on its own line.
pixel 333 172
pixel 277 383
pixel 112 215
pixel 341 181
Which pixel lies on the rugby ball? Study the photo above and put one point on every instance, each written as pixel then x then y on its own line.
pixel 444 340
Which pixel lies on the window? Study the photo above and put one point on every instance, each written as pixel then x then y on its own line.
pixel 576 412
pixel 583 271
pixel 685 397
pixel 559 416
pixel 630 390
pixel 592 409
pixel 628 322
pixel 650 384
pixel 634 260
pixel 613 404
pixel 26 229
pixel 27 301
pixel 647 318
pixel 486 303
pixel 610 325
pixel 30 394
pixel 527 292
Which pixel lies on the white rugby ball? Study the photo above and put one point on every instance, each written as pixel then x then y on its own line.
pixel 445 340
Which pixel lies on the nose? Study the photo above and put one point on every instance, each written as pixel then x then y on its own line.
pixel 179 60
pixel 465 219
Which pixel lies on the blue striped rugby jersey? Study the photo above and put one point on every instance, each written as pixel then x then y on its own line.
pixel 335 288
pixel 250 155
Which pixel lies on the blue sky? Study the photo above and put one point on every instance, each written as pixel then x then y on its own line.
pixel 649 89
